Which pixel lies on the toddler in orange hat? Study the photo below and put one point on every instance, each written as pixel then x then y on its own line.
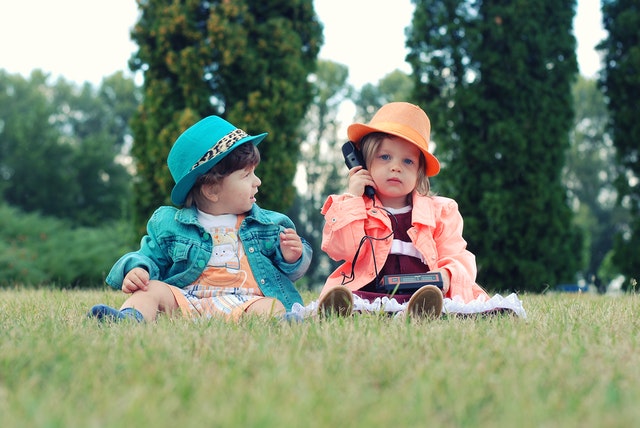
pixel 403 236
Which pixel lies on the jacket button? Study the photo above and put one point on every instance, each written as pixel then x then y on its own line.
pixel 251 250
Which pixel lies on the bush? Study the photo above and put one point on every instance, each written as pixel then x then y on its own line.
pixel 36 250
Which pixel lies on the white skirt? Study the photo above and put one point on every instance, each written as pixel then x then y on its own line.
pixel 455 306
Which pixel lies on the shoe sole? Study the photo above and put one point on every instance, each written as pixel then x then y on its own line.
pixel 338 301
pixel 426 303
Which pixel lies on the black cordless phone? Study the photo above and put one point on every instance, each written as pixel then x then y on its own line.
pixel 353 157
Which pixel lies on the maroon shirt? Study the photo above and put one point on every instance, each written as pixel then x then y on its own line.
pixel 398 263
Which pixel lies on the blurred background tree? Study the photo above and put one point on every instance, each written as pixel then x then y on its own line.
pixel 395 86
pixel 246 61
pixel 320 164
pixel 548 196
pixel 620 81
pixel 60 143
pixel 495 77
pixel 64 180
pixel 589 177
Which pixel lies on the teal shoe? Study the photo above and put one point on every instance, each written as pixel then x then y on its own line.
pixel 107 313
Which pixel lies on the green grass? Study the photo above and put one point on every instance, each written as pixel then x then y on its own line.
pixel 573 362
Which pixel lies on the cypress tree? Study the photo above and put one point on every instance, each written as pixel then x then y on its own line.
pixel 247 61
pixel 495 77
pixel 620 81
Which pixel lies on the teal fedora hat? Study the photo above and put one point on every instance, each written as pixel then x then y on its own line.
pixel 200 148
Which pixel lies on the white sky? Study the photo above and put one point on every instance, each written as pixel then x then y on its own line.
pixel 86 40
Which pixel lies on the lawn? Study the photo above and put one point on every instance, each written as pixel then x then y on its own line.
pixel 574 361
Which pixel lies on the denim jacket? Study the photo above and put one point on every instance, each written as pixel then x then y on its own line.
pixel 177 248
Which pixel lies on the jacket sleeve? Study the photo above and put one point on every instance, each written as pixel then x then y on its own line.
pixel 452 252
pixel 125 264
pixel 149 257
pixel 295 271
pixel 344 226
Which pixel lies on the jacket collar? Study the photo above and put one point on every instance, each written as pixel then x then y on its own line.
pixel 190 215
pixel 423 210
pixel 187 215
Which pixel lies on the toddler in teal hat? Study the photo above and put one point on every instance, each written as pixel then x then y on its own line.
pixel 220 255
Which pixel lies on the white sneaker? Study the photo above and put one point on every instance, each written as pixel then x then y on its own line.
pixel 337 301
pixel 426 303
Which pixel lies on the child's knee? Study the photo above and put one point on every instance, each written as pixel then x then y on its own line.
pixel 159 294
pixel 266 306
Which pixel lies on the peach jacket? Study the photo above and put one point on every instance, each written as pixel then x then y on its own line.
pixel 436 232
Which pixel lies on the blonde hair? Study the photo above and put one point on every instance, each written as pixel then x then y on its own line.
pixel 369 146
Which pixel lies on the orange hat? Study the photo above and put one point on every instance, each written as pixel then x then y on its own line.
pixel 404 120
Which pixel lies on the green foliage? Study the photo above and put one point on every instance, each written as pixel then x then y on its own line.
pixel 620 81
pixel 321 161
pixel 569 364
pixel 625 254
pixel 395 86
pixel 495 79
pixel 246 61
pixel 589 176
pixel 36 250
pixel 35 168
pixel 59 144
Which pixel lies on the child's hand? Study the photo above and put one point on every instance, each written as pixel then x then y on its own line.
pixel 359 178
pixel 290 245
pixel 136 279
pixel 446 279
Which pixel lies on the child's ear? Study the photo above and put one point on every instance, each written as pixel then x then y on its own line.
pixel 210 192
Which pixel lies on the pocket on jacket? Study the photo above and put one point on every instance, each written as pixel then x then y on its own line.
pixel 180 251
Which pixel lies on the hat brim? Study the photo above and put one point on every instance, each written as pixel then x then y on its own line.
pixel 183 187
pixel 357 131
